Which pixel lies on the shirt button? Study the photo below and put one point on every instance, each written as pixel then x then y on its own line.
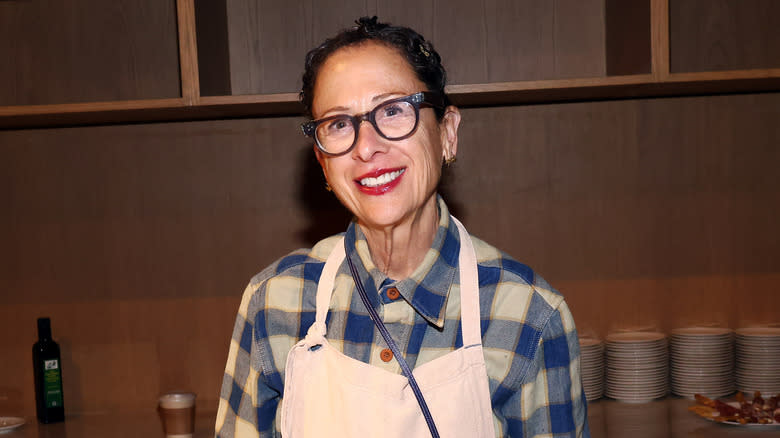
pixel 393 293
pixel 386 355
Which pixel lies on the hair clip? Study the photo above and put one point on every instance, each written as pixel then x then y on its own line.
pixel 426 53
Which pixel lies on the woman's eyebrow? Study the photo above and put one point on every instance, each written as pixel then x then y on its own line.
pixel 379 98
pixel 336 109
pixel 384 96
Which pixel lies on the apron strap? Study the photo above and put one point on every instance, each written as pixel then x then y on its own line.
pixel 325 286
pixel 469 289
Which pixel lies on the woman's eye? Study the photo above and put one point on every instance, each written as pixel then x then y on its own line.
pixel 338 125
pixel 392 110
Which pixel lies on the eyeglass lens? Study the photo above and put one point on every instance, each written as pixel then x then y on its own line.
pixel 392 120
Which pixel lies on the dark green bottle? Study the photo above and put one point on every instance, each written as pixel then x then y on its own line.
pixel 47 368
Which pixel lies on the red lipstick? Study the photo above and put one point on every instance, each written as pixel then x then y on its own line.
pixel 381 189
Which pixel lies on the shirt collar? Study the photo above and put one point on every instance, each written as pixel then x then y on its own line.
pixel 428 287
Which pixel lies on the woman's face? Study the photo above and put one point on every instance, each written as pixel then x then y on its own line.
pixel 382 182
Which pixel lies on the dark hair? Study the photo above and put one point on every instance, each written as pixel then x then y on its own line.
pixel 418 52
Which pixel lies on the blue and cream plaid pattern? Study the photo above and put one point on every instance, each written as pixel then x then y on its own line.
pixel 528 334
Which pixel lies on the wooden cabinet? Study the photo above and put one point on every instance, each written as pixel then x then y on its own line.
pixel 718 35
pixel 63 52
pixel 242 58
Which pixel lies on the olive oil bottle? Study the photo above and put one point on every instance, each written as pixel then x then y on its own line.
pixel 47 370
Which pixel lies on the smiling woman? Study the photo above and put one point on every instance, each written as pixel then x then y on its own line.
pixel 399 215
pixel 404 325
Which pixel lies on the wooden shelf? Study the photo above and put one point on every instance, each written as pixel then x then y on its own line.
pixel 616 87
pixel 626 81
pixel 469 95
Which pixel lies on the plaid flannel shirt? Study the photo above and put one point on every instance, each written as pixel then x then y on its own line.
pixel 528 335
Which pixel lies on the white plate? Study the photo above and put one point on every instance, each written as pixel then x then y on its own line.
pixel 701 372
pixel 698 343
pixel 759 331
pixel 749 374
pixel 9 423
pixel 699 347
pixel 635 399
pixel 760 346
pixel 715 360
pixel 722 366
pixel 589 342
pixel 637 359
pixel 701 331
pixel 633 395
pixel 635 337
pixel 637 351
pixel 625 349
pixel 757 373
pixel 690 384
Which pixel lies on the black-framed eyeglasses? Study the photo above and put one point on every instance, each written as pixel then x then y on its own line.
pixel 394 119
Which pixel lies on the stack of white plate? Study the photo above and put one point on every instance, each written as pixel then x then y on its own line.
pixel 637 366
pixel 592 367
pixel 758 359
pixel 702 361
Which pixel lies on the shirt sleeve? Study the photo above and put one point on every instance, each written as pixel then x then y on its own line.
pixel 247 405
pixel 551 401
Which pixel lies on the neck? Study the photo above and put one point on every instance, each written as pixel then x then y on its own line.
pixel 398 249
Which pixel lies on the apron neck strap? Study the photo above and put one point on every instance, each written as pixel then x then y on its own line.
pixel 469 288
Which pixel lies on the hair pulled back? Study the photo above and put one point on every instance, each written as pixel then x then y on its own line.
pixel 419 53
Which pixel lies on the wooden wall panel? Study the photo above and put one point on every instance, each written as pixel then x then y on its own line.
pixel 578 38
pixel 627 36
pixel 712 35
pixel 662 206
pixel 264 36
pixel 138 240
pixel 87 50
pixel 485 41
pixel 213 47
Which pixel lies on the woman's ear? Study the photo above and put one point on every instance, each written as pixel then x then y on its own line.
pixel 321 159
pixel 449 132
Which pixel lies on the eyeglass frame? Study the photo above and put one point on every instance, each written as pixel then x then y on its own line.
pixel 426 99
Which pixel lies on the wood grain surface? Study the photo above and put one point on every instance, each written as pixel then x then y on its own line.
pixel 138 240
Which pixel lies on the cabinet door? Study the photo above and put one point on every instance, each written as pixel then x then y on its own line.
pixel 67 51
pixel 715 35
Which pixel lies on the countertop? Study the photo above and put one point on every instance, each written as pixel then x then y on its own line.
pixel 105 424
pixel 666 418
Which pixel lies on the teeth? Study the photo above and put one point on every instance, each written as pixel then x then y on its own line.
pixel 382 179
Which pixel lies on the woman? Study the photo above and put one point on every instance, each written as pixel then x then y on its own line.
pixel 493 347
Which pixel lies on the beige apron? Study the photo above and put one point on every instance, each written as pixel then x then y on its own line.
pixel 328 394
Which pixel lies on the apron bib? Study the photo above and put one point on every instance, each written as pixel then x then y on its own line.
pixel 329 394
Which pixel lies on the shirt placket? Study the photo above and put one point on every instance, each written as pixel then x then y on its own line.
pixel 398 317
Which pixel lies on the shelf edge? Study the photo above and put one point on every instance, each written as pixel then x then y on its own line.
pixel 466 95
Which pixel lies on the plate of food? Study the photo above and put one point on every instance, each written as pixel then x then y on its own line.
pixel 9 423
pixel 756 413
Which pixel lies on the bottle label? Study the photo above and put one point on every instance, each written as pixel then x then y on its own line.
pixel 52 390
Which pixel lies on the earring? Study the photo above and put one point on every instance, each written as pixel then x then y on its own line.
pixel 450 160
pixel 327 187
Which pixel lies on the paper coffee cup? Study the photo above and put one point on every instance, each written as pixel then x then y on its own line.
pixel 177 411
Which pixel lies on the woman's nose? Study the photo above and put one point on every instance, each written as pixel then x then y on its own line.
pixel 369 142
